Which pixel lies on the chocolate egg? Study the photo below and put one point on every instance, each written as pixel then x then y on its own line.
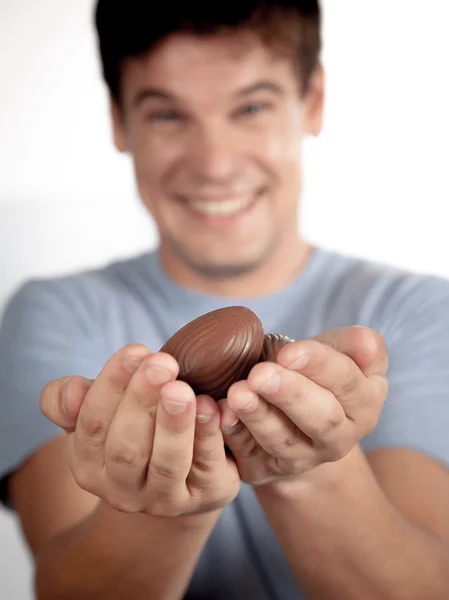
pixel 217 349
pixel 272 343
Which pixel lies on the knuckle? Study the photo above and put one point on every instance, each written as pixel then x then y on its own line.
pixel 322 429
pixel 93 426
pixel 167 473
pixel 350 384
pixel 125 454
pixel 207 459
pixel 203 466
pixel 279 449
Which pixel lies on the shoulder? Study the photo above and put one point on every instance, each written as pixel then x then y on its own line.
pixel 403 304
pixel 390 299
pixel 81 294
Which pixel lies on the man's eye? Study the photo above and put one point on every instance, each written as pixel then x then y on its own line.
pixel 164 116
pixel 254 109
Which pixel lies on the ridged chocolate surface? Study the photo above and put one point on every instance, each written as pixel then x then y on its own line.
pixel 272 343
pixel 217 349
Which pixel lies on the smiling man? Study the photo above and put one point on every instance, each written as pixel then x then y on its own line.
pixel 338 485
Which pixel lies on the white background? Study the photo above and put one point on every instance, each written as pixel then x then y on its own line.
pixel 376 181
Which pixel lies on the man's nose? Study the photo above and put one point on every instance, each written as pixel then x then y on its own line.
pixel 214 154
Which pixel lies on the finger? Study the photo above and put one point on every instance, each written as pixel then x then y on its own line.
pixel 365 346
pixel 265 442
pixel 172 453
pixel 209 456
pixel 100 404
pixel 213 475
pixel 61 400
pixel 308 407
pixel 130 439
pixel 329 369
pixel 228 418
pixel 236 435
pixel 251 459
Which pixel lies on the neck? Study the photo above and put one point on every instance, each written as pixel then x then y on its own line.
pixel 273 275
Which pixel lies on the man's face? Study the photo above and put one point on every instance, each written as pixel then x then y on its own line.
pixel 215 128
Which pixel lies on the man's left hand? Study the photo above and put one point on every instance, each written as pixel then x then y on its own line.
pixel 313 406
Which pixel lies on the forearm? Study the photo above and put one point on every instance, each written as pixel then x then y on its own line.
pixel 114 555
pixel 344 539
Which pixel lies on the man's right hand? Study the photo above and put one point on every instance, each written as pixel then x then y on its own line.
pixel 140 440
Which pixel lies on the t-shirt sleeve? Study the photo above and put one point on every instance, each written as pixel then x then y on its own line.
pixel 414 320
pixel 44 335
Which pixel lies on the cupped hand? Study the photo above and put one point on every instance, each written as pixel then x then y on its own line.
pixel 140 440
pixel 312 406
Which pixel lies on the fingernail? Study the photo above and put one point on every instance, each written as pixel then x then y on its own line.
pixel 174 408
pixel 226 415
pixel 300 362
pixel 272 385
pixel 251 406
pixel 64 396
pixel 204 418
pixel 158 375
pixel 131 363
pixel 231 427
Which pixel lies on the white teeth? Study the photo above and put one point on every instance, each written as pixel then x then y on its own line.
pixel 220 208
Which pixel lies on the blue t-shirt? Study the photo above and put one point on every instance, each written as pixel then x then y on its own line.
pixel 71 325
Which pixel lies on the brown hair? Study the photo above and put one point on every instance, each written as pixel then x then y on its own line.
pixel 130 28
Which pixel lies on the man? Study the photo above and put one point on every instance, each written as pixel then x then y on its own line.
pixel 331 494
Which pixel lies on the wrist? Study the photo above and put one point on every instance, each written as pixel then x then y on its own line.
pixel 204 520
pixel 197 521
pixel 325 477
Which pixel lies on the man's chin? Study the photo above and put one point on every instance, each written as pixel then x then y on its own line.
pixel 233 266
pixel 219 271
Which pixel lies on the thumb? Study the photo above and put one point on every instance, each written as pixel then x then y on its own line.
pixel 365 346
pixel 61 400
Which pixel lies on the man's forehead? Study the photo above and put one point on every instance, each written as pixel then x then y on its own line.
pixel 189 64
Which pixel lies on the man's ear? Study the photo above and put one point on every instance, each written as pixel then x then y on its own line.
pixel 314 102
pixel 118 126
